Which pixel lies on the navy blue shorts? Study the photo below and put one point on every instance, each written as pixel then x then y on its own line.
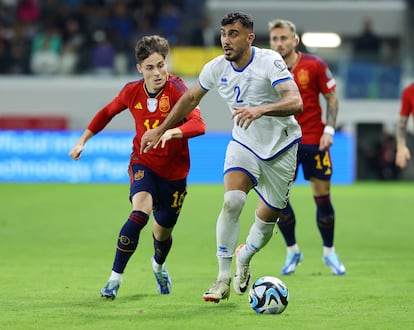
pixel 315 163
pixel 168 196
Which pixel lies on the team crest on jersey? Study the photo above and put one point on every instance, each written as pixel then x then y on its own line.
pixel 303 77
pixel 138 175
pixel 152 104
pixel 165 103
pixel 281 65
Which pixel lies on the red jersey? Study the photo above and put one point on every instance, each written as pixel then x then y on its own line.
pixel 407 101
pixel 173 161
pixel 313 77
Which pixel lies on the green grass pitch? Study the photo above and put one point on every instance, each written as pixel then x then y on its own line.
pixel 57 243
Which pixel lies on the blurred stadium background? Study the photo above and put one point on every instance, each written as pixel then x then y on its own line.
pixel 52 81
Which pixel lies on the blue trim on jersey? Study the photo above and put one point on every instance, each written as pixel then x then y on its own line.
pixel 251 176
pixel 274 156
pixel 248 63
pixel 202 87
pixel 276 82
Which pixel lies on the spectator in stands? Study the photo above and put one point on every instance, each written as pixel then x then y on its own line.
pixel 7 15
pixel 195 26
pixel 28 10
pixel 367 45
pixel 130 19
pixel 120 20
pixel 169 22
pixel 103 54
pixel 4 50
pixel 20 49
pixel 96 16
pixel 46 50
pixel 73 44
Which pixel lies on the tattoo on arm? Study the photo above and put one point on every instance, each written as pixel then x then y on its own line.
pixel 286 88
pixel 331 108
pixel 401 128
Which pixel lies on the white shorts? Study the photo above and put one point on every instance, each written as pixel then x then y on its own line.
pixel 272 178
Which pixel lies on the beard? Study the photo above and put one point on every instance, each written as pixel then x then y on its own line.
pixel 237 55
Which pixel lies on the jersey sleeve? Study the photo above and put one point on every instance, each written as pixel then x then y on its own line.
pixel 407 104
pixel 206 77
pixel 278 70
pixel 105 115
pixel 326 80
pixel 193 125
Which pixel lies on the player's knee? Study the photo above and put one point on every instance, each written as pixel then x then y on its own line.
pixel 234 201
pixel 286 217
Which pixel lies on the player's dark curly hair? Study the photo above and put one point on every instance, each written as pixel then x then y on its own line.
pixel 244 19
pixel 149 45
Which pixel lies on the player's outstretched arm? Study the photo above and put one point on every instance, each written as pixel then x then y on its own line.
pixel 77 149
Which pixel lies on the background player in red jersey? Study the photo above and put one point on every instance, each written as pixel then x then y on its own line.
pixel 158 178
pixel 407 109
pixel 313 78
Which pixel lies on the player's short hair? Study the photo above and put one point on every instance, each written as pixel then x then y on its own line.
pixel 244 19
pixel 149 45
pixel 282 24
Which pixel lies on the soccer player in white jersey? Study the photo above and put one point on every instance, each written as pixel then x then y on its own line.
pixel 263 99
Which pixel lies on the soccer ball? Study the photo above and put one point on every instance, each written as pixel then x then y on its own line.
pixel 268 295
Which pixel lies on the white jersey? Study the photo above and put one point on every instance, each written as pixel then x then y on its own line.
pixel 253 85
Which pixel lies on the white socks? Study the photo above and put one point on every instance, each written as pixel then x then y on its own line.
pixel 228 226
pixel 155 266
pixel 115 277
pixel 294 248
pixel 227 230
pixel 259 235
pixel 328 250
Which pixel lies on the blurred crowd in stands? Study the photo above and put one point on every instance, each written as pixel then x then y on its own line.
pixel 65 37
pixel 90 36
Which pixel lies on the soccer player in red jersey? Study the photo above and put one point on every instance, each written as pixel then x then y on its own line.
pixel 407 109
pixel 313 78
pixel 158 179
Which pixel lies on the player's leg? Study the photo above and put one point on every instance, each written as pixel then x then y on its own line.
pixel 320 174
pixel 162 238
pixel 238 180
pixel 167 206
pixel 259 235
pixel 325 219
pixel 128 237
pixel 227 232
pixel 287 224
pixel 127 243
pixel 273 188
